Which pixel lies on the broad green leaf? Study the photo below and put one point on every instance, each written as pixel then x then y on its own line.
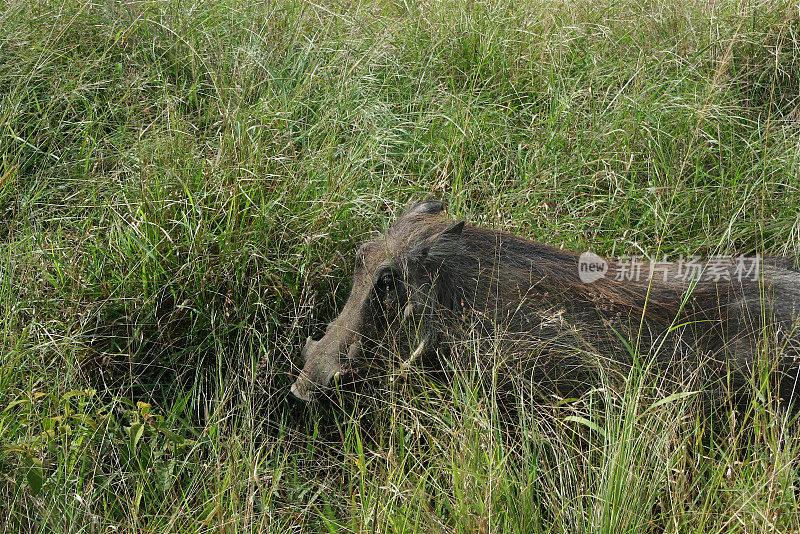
pixel 135 433
pixel 35 474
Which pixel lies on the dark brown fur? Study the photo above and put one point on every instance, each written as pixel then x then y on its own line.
pixel 429 284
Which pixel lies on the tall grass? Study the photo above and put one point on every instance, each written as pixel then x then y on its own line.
pixel 182 185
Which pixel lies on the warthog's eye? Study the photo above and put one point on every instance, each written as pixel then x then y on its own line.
pixel 386 279
pixel 385 282
pixel 389 288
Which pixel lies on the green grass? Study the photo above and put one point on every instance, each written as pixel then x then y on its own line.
pixel 182 187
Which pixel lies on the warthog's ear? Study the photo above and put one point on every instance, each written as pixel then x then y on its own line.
pixel 431 206
pixel 446 244
pixel 454 230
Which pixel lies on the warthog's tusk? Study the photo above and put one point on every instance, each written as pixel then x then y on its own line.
pixel 407 312
pixel 406 365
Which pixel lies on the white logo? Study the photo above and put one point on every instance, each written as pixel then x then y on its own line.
pixel 591 267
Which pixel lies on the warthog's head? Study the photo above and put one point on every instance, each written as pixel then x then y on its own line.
pixel 400 283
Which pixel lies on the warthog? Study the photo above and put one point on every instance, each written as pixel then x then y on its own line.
pixel 430 283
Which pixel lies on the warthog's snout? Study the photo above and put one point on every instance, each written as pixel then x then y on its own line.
pixel 322 363
pixel 304 388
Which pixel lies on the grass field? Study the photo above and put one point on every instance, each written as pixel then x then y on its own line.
pixel 182 188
